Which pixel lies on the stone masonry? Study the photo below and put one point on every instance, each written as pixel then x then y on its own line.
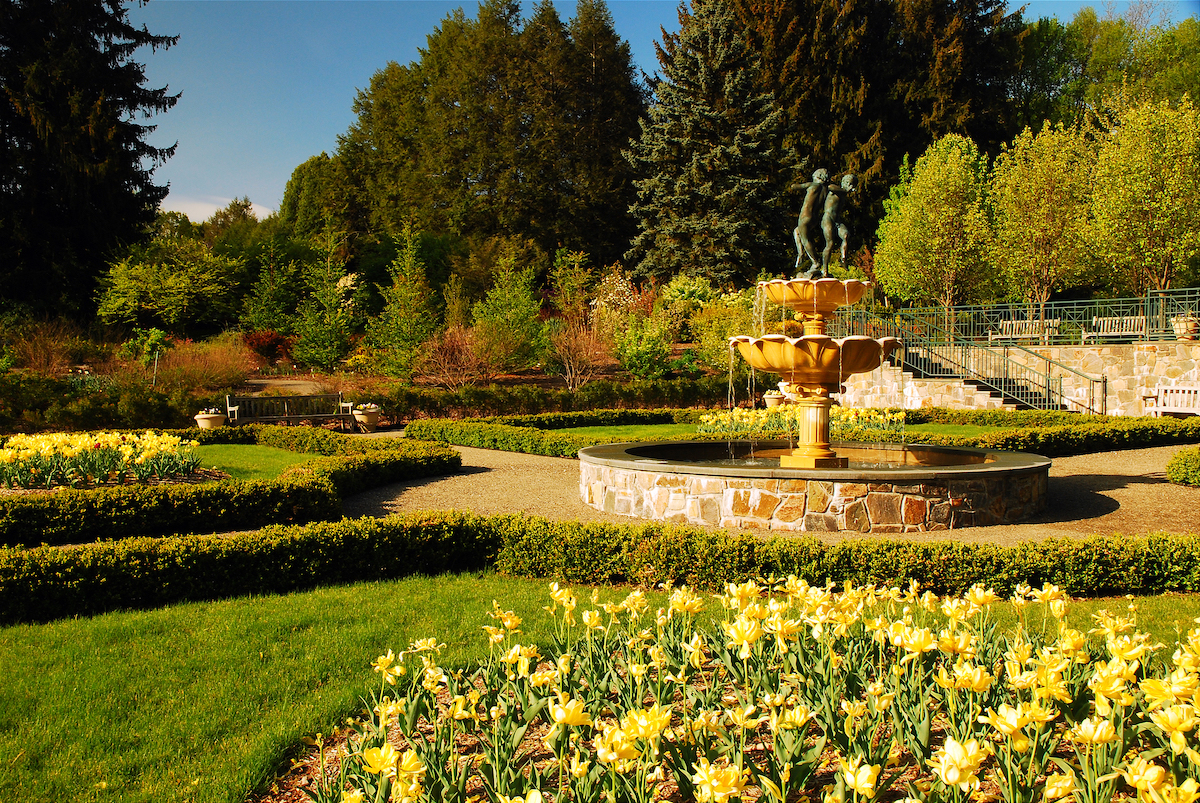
pixel 812 505
pixel 1133 372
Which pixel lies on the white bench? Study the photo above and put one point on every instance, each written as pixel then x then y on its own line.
pixel 1118 326
pixel 1174 400
pixel 1042 329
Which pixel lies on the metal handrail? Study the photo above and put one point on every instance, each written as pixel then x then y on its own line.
pixel 929 349
pixel 1158 315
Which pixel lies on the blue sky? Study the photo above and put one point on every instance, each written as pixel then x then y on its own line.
pixel 268 83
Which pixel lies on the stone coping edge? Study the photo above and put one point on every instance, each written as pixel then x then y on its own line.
pixel 616 455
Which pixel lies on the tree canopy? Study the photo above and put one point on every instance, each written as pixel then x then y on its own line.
pixel 711 160
pixel 76 174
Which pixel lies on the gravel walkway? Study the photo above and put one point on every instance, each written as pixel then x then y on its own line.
pixel 1110 492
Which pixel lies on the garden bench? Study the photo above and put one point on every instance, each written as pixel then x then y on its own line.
pixel 288 409
pixel 1175 400
pixel 1117 326
pixel 1013 329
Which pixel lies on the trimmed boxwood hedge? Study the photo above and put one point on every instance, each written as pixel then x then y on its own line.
pixel 1184 467
pixel 310 491
pixel 48 583
pixel 1049 433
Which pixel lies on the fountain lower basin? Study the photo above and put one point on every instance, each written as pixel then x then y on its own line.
pixel 885 488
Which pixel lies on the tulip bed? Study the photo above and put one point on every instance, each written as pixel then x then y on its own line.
pixel 83 459
pixel 845 423
pixel 790 692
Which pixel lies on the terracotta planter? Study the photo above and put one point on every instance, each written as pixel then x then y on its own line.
pixel 210 420
pixel 367 419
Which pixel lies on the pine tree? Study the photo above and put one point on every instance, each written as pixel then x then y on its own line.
pixel 711 159
pixel 75 170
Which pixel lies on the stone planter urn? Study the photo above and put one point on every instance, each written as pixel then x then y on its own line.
pixel 368 420
pixel 772 401
pixel 210 420
pixel 1187 327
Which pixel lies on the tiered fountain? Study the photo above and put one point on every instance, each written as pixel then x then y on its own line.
pixel 811 485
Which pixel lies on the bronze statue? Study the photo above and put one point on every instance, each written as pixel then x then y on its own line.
pixel 820 194
pixel 814 198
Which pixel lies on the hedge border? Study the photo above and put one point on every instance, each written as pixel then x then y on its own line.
pixel 46 583
pixel 307 492
pixel 1049 433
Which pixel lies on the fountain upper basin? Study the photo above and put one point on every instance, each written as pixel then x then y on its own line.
pixel 885 489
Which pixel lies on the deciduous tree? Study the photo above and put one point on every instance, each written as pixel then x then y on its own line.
pixel 1146 195
pixel 934 238
pixel 1039 196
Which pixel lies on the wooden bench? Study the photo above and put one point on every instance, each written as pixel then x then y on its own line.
pixel 1040 329
pixel 1174 400
pixel 1129 327
pixel 288 409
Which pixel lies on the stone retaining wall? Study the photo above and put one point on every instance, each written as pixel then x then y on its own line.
pixel 1133 372
pixel 813 505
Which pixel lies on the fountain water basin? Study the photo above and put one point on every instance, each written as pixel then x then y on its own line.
pixel 884 488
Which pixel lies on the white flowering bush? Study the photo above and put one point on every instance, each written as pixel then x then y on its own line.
pixel 83 459
pixel 784 692
pixel 845 423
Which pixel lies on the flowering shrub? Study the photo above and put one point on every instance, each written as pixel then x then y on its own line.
pixel 82 458
pixel 845 423
pixel 791 691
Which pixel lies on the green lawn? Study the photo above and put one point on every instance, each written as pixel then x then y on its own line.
pixel 620 432
pixel 248 462
pixel 204 701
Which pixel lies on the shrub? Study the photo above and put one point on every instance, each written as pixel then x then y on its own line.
pixel 307 492
pixel 46 582
pixel 642 346
pixel 508 332
pixel 1184 467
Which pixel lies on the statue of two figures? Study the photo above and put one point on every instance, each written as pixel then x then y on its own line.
pixel 822 200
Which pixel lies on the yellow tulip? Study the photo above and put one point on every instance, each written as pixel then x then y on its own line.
pixel 859 776
pixel 957 763
pixel 717 782
pixel 1095 730
pixel 381 760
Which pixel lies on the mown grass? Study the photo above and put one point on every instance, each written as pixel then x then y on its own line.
pixel 250 462
pixel 205 701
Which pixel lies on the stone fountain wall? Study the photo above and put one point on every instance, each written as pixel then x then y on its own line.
pixel 1133 372
pixel 813 505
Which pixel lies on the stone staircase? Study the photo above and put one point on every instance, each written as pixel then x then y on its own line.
pixel 891 386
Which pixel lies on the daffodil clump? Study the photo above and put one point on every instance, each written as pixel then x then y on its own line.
pixel 782 691
pixel 82 459
pixel 867 424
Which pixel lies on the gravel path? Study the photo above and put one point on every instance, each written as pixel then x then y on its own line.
pixel 1110 492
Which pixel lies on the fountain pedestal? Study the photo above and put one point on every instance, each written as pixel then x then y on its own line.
pixel 814 451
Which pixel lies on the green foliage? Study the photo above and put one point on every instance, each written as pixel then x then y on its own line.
pixel 76 171
pixel 309 199
pixel 725 316
pixel 46 582
pixel 272 300
pixel 144 345
pixel 324 321
pixel 1184 467
pixel 409 315
pixel 174 282
pixel 642 346
pixel 934 237
pixel 1146 195
pixel 1039 195
pixel 502 126
pixel 508 332
pixel 711 161
pixel 307 492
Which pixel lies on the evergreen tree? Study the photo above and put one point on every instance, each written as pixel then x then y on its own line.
pixel 409 315
pixel 500 129
pixel 862 83
pixel 75 170
pixel 711 159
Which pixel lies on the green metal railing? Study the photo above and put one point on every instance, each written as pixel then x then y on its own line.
pixel 1158 315
pixel 1018 374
